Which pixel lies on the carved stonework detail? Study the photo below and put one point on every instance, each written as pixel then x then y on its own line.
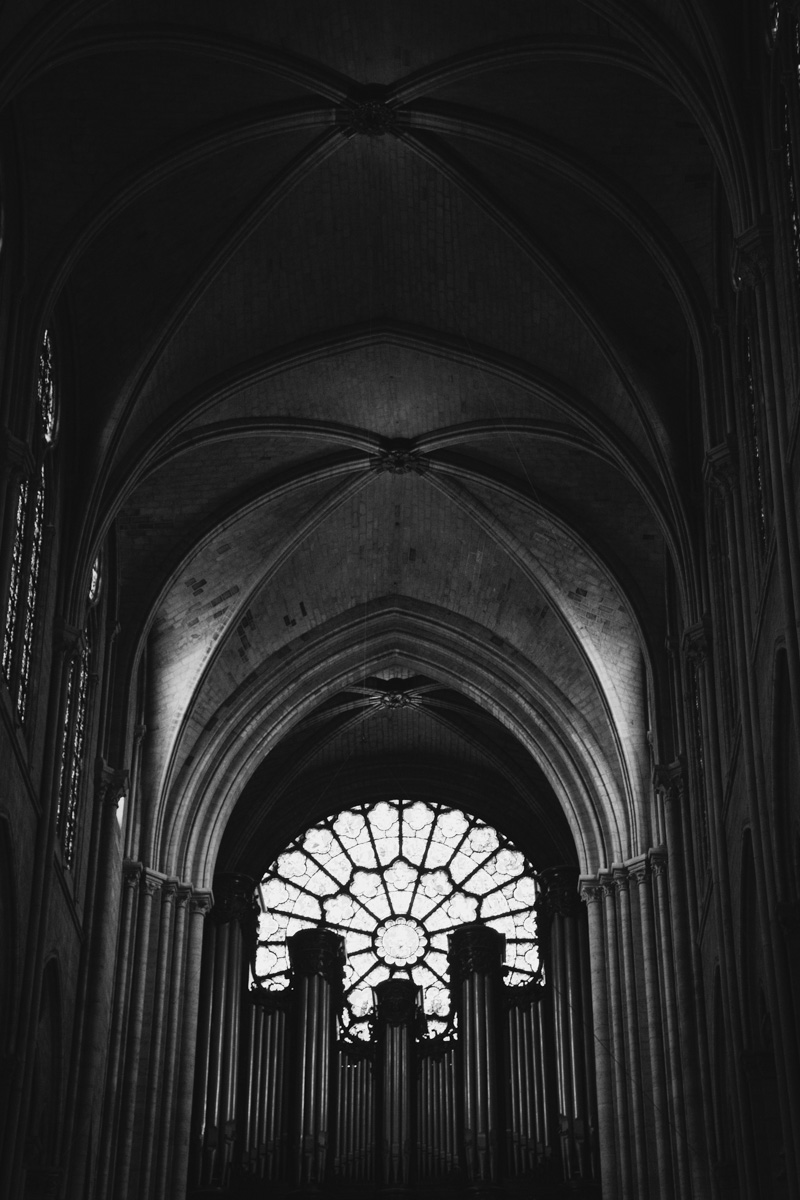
pixel 475 949
pixel 317 952
pixel 151 883
pixel 670 781
pixel 201 902
pixel 639 872
pixel 559 892
pixel 720 468
pixel 169 891
pixel 396 1002
pixel 233 898
pixel 752 257
pixel 111 784
pixel 658 862
pixel 697 641
pixel 369 117
pixel 130 874
pixel 591 893
pixel 182 896
pixel 622 879
pixel 399 458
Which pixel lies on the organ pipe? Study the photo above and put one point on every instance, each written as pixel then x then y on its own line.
pixel 476 963
pixel 317 961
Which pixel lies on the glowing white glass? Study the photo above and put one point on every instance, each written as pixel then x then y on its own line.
pixel 395 878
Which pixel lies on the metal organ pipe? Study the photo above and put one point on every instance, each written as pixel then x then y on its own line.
pixel 476 964
pixel 317 961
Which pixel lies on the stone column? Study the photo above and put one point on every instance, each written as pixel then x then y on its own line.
pixel 476 963
pixel 152 1093
pixel 317 962
pixel 111 789
pixel 177 970
pixel 199 907
pixel 397 1015
pixel 641 877
pixel 592 895
pixel 150 884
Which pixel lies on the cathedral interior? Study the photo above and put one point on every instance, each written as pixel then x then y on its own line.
pixel 400 575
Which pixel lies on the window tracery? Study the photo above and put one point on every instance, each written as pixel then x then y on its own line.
pixel 28 539
pixel 395 879
pixel 74 730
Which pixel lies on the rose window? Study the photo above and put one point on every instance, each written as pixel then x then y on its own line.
pixel 395 879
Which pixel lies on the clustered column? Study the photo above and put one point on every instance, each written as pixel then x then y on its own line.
pixel 151 1049
pixel 637 1032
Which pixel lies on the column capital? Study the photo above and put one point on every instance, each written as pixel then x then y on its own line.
pixel 182 895
pixel 111 783
pixel 131 872
pixel 720 468
pixel 591 891
pixel 169 890
pixel 751 258
pixel 475 949
pixel 658 861
pixel 201 902
pixel 151 882
pixel 317 952
pixel 619 874
pixel 639 871
pixel 697 640
pixel 669 779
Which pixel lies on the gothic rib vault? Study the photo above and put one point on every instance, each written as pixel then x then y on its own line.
pixel 392 340
pixel 424 347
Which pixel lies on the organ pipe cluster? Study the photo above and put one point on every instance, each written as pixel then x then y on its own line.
pixel 507 1095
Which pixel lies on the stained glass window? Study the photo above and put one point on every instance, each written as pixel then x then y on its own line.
pixel 72 749
pixel 791 189
pixel 26 554
pixel 395 878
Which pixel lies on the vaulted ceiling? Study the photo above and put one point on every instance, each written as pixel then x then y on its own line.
pixel 386 327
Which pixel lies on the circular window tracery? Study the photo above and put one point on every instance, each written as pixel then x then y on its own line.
pixel 395 878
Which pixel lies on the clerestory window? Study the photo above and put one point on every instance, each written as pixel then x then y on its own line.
pixel 22 602
pixel 395 879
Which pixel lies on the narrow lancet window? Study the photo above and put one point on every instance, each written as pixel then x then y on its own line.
pixel 791 189
pixel 26 556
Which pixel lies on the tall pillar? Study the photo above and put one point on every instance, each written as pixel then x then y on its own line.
pixel 592 895
pixel 476 963
pixel 317 961
pixel 199 906
pixel 396 1005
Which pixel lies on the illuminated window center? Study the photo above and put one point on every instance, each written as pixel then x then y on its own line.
pixel 395 879
pixel 400 942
